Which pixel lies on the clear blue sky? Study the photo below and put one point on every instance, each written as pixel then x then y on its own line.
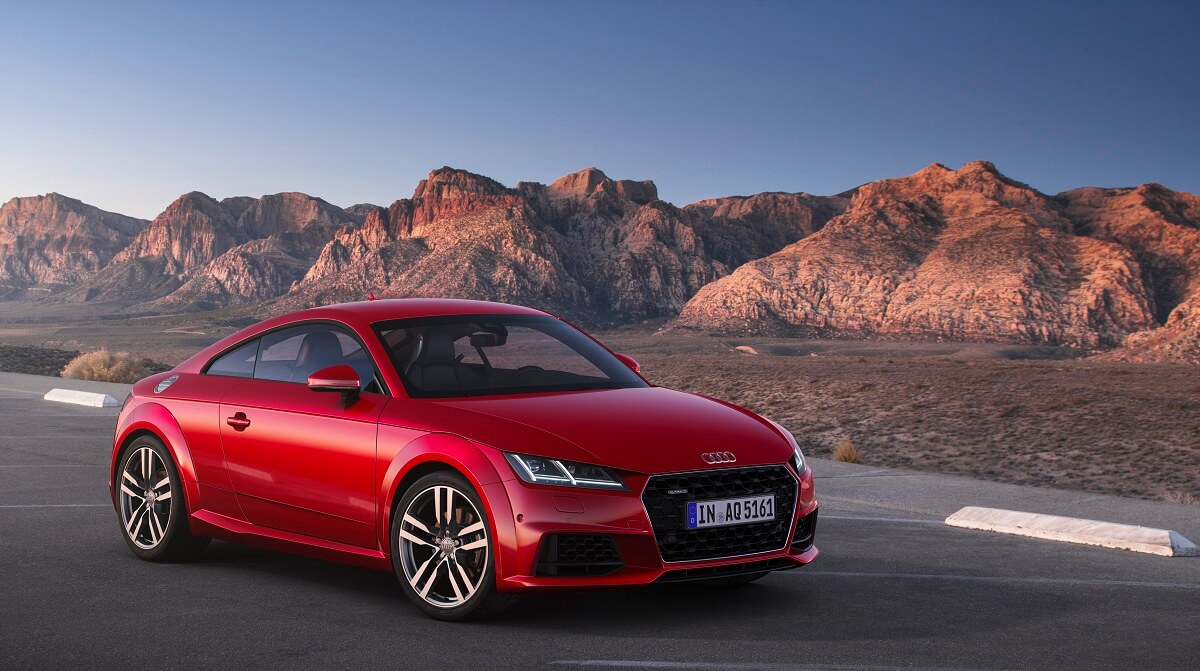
pixel 127 107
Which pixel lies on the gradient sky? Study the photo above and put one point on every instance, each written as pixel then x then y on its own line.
pixel 126 107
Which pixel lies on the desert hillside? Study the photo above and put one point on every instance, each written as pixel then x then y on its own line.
pixel 967 255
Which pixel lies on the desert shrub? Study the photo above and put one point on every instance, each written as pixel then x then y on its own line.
pixel 106 366
pixel 1177 496
pixel 846 451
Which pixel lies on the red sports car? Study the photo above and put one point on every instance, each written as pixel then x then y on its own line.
pixel 478 450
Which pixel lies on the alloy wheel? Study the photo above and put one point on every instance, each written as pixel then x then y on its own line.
pixel 145 498
pixel 443 546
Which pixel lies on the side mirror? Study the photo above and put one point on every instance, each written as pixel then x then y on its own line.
pixel 341 378
pixel 631 362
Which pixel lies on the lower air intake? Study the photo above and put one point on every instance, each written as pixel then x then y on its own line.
pixel 578 555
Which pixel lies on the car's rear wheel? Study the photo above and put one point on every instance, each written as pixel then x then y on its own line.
pixel 443 550
pixel 151 505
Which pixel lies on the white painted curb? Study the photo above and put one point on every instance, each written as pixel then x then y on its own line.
pixel 1075 530
pixel 88 398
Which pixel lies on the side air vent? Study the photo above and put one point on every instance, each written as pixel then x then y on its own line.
pixel 806 529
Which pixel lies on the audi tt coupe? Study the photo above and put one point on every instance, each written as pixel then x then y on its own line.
pixel 477 450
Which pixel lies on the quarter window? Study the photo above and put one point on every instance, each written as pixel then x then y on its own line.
pixel 292 354
pixel 238 363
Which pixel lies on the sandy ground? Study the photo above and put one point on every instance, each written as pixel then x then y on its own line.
pixel 1126 429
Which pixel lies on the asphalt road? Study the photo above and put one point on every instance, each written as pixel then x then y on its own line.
pixel 893 588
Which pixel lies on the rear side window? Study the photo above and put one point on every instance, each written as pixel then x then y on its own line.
pixel 292 354
pixel 238 363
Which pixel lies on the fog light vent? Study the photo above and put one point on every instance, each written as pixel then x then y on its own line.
pixel 578 555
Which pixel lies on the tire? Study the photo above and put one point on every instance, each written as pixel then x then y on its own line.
pixel 444 580
pixel 157 532
pixel 734 581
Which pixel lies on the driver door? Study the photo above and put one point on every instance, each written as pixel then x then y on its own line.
pixel 299 460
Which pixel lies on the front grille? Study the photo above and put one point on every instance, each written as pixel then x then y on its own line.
pixel 668 514
pixel 578 555
pixel 806 530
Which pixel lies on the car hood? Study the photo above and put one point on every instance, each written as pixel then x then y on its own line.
pixel 645 430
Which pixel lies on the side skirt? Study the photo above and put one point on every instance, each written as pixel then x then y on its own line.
pixel 208 523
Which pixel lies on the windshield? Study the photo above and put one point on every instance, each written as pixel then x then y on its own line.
pixel 476 355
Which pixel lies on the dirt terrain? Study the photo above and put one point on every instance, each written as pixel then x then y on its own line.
pixel 1118 428
pixel 1024 414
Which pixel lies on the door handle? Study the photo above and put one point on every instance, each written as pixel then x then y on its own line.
pixel 239 422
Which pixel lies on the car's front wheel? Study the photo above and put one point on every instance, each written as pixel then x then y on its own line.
pixel 443 550
pixel 151 505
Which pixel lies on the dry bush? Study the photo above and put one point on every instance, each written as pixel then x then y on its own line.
pixel 106 366
pixel 1176 496
pixel 846 451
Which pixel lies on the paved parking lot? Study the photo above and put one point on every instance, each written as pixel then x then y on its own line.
pixel 893 588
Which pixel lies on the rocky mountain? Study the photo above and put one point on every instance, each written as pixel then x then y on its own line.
pixel 1162 229
pixel 284 235
pixel 740 229
pixel 586 246
pixel 965 254
pixel 960 254
pixel 49 242
pixel 459 235
pixel 201 253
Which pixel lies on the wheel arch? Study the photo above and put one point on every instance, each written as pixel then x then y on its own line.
pixel 434 452
pixel 153 419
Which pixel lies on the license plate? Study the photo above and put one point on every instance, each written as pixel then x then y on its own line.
pixel 727 512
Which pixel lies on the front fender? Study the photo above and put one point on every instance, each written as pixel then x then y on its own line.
pixel 156 419
pixel 447 450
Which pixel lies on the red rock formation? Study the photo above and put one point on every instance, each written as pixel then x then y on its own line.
pixel 460 235
pixel 965 254
pixel 1162 228
pixel 589 247
pixel 201 253
pixel 738 229
pixel 960 254
pixel 591 181
pixel 48 242
pixel 192 231
pixel 286 232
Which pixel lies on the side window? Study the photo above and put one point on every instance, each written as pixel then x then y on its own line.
pixel 291 355
pixel 238 363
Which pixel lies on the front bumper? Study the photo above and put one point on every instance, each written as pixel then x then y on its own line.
pixel 534 513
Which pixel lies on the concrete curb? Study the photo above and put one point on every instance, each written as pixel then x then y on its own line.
pixel 1074 530
pixel 88 398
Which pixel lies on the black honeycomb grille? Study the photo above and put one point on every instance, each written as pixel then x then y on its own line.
pixel 668 512
pixel 578 554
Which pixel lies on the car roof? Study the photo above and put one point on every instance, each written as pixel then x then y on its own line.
pixel 388 309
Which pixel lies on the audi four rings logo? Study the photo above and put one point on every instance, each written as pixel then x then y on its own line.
pixel 718 457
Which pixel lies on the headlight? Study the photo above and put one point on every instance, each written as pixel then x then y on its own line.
pixel 543 471
pixel 798 458
pixel 797 455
